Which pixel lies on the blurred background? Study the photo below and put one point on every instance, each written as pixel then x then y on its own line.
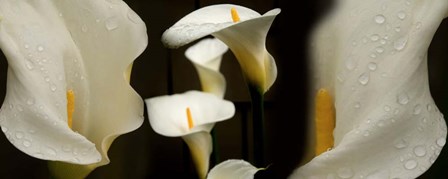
pixel 160 71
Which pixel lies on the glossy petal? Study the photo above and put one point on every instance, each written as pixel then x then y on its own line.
pixel 245 38
pixel 373 57
pixel 231 169
pixel 167 114
pixel 206 57
pixel 55 46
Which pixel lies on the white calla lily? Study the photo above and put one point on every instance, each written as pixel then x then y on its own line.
pixel 371 56
pixel 206 56
pixel 231 169
pixel 241 29
pixel 190 115
pixel 69 59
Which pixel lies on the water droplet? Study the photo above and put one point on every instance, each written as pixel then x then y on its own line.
pixel 401 15
pixel 382 41
pixel 396 111
pixel 418 25
pixel 386 108
pixel 379 19
pixel 372 55
pixel 397 29
pixel 350 64
pixel 401 144
pixel 400 43
pixel 4 129
pixel 357 105
pixel 11 106
pixel 379 49
pixel 51 151
pixel 30 101
pixel 441 141
pixel 403 98
pixel 40 48
pixel 133 17
pixel 47 79
pixel 26 143
pixel 429 107
pixel 29 65
pixel 410 164
pixel 345 172
pixel 53 87
pixel 417 109
pixel 364 78
pixel 374 37
pixel 372 66
pixel 381 123
pixel 420 151
pixel 84 28
pixel 26 46
pixel 19 135
pixel 111 23
pixel 366 133
pixel 425 120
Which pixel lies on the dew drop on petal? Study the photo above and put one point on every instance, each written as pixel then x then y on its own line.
pixel 111 23
pixel 133 17
pixel 364 78
pixel 420 151
pixel 401 15
pixel 4 129
pixel 372 55
pixel 357 105
pixel 400 43
pixel 26 143
pixel 386 108
pixel 379 49
pixel 375 37
pixel 29 65
pixel 417 109
pixel 84 28
pixel 441 142
pixel 53 87
pixel 372 66
pixel 410 164
pixel 401 144
pixel 345 172
pixel 403 98
pixel 19 135
pixel 40 48
pixel 51 151
pixel 379 19
pixel 418 25
pixel 429 107
pixel 30 101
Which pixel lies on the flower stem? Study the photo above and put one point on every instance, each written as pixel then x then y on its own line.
pixel 258 124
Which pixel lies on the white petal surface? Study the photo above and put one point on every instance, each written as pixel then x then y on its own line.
pixel 387 124
pixel 206 56
pixel 167 114
pixel 55 46
pixel 233 169
pixel 200 145
pixel 245 38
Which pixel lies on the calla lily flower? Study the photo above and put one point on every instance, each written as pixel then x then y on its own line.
pixel 241 29
pixel 206 57
pixel 190 115
pixel 371 58
pixel 231 169
pixel 68 93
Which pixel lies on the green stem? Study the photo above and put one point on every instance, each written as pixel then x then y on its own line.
pixel 258 124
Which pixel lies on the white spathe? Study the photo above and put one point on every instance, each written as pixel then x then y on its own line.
pixel 53 46
pixel 372 56
pixel 167 114
pixel 245 38
pixel 231 169
pixel 206 56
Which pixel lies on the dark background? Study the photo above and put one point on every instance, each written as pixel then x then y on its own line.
pixel 160 71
